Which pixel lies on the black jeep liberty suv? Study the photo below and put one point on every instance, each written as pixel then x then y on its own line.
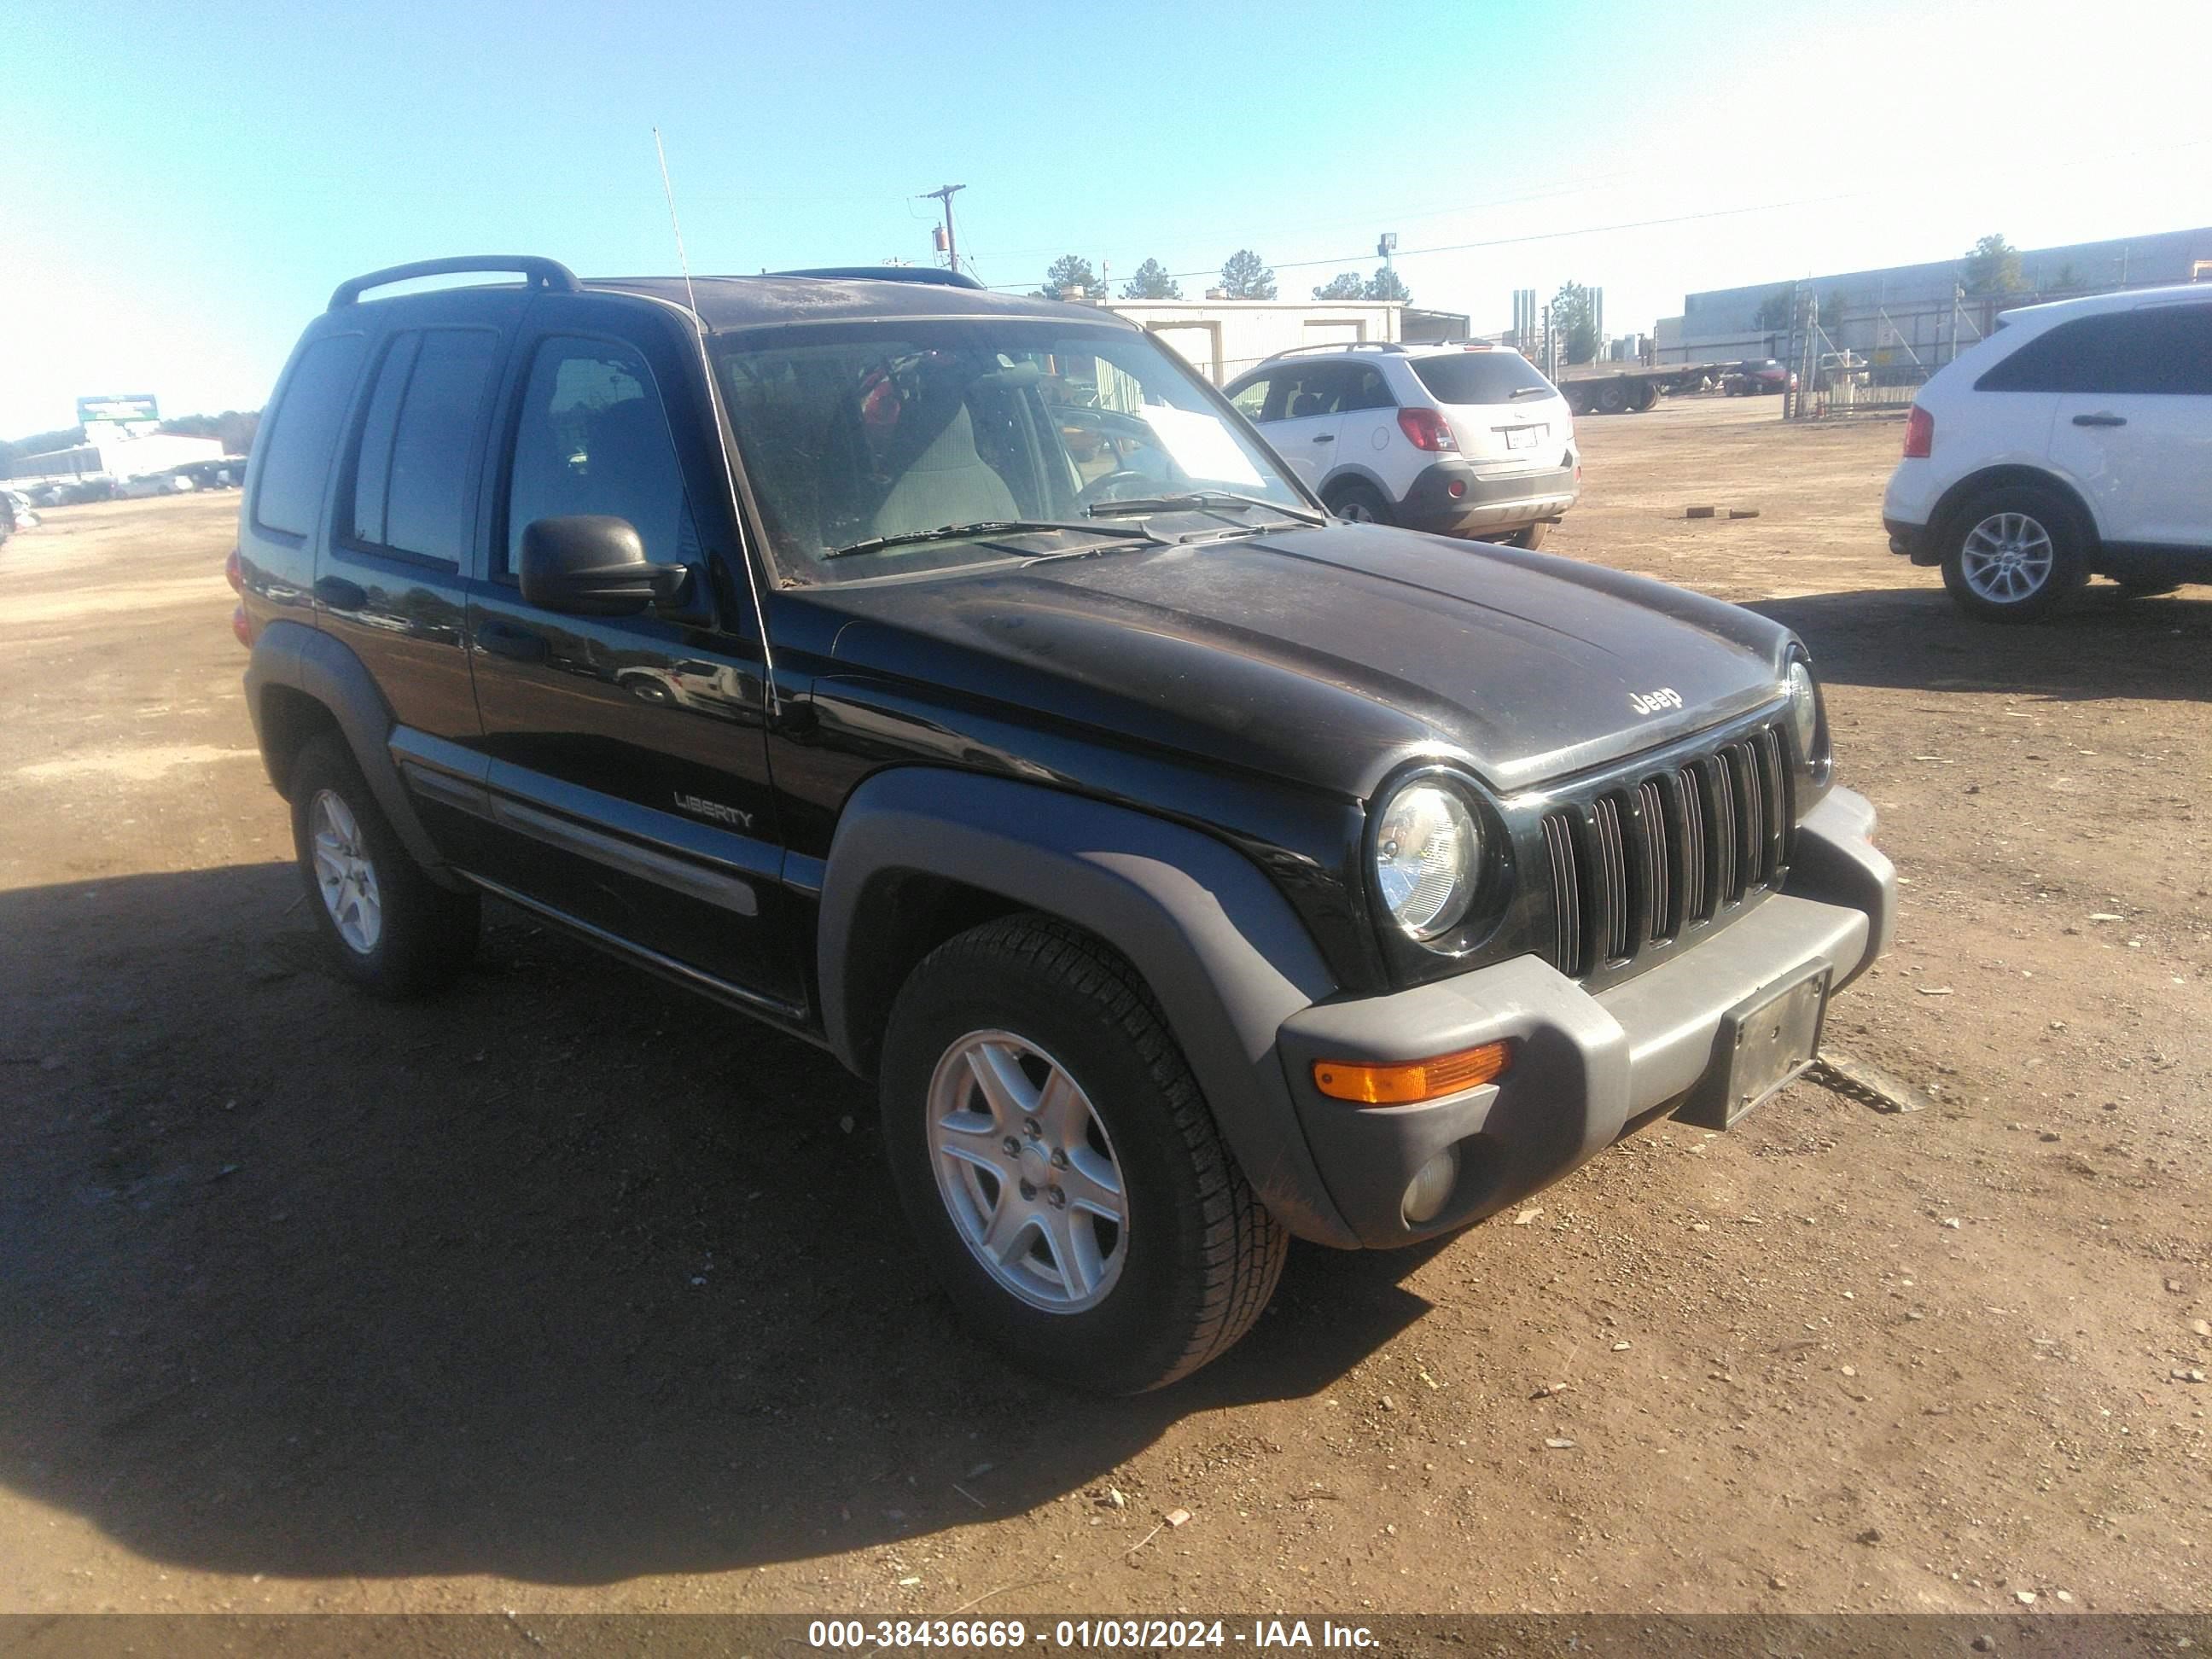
pixel 957 682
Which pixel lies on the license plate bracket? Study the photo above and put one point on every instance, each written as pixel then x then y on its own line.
pixel 1523 437
pixel 1765 1042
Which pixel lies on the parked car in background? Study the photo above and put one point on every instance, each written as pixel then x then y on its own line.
pixel 170 482
pixel 1460 440
pixel 1758 378
pixel 227 473
pixel 1187 869
pixel 18 509
pixel 2076 441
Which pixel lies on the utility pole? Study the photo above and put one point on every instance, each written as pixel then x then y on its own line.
pixel 945 193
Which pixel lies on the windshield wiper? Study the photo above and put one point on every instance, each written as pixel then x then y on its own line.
pixel 1529 391
pixel 953 533
pixel 1196 499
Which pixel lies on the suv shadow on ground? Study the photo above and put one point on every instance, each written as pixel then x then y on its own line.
pixel 2104 644
pixel 567 1277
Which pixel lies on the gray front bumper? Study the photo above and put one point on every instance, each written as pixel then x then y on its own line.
pixel 1585 1065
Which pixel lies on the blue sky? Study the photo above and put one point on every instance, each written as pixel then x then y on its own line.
pixel 184 184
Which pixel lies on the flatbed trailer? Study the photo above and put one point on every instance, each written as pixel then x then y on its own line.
pixel 1621 388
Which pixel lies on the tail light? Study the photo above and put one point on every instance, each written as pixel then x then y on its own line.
pixel 1919 435
pixel 1426 429
pixel 241 626
pixel 233 574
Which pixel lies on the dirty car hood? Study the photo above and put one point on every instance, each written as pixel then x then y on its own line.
pixel 1331 654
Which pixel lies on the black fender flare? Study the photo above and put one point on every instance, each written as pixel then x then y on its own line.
pixel 307 660
pixel 1224 955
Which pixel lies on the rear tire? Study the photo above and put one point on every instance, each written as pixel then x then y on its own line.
pixel 1612 397
pixel 1027 1033
pixel 1530 535
pixel 390 928
pixel 1646 398
pixel 1358 502
pixel 2013 554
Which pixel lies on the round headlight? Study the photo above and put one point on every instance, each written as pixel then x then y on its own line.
pixel 1428 852
pixel 1805 711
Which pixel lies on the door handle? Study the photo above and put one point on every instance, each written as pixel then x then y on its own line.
pixel 339 594
pixel 1324 437
pixel 503 639
pixel 2100 419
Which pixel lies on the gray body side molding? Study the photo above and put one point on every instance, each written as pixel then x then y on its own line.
pixel 1225 956
pixel 293 654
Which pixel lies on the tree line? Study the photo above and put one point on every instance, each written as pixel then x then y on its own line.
pixel 1244 275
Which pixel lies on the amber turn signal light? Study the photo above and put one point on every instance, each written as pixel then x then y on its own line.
pixel 1412 1080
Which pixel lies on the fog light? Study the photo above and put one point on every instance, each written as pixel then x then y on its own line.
pixel 1456 489
pixel 1430 1188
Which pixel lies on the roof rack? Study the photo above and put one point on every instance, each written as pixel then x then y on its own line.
pixel 1346 345
pixel 887 274
pixel 548 275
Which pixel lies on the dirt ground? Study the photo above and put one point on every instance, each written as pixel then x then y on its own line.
pixel 568 1291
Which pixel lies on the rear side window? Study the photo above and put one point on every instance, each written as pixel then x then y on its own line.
pixel 1307 390
pixel 1480 377
pixel 296 458
pixel 411 490
pixel 2161 351
pixel 1369 390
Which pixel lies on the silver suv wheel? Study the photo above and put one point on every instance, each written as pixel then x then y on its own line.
pixel 2006 558
pixel 344 875
pixel 1027 1172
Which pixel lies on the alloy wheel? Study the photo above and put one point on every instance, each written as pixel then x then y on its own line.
pixel 1027 1172
pixel 344 875
pixel 2006 558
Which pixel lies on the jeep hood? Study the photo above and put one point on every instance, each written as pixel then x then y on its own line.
pixel 1329 654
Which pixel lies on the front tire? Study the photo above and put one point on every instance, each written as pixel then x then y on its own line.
pixel 1059 1167
pixel 389 928
pixel 2013 554
pixel 1360 503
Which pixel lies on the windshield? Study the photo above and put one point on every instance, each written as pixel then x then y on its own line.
pixel 1480 377
pixel 861 439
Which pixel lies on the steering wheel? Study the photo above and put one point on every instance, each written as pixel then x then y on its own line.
pixel 1097 488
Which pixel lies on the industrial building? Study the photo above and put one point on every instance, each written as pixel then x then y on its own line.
pixel 116 452
pixel 1222 338
pixel 1915 313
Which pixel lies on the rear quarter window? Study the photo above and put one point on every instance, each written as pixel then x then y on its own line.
pixel 1480 377
pixel 2156 351
pixel 296 458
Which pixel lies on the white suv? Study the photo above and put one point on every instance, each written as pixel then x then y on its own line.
pixel 2076 439
pixel 1461 440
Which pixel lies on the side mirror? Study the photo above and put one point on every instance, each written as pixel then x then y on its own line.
pixel 590 565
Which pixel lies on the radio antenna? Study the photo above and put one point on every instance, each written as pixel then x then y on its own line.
pixel 669 190
pixel 721 434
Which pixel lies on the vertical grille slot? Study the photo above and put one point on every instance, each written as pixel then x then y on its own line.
pixel 1775 777
pixel 1696 870
pixel 1567 895
pixel 1657 863
pixel 1609 915
pixel 1750 817
pixel 1721 838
